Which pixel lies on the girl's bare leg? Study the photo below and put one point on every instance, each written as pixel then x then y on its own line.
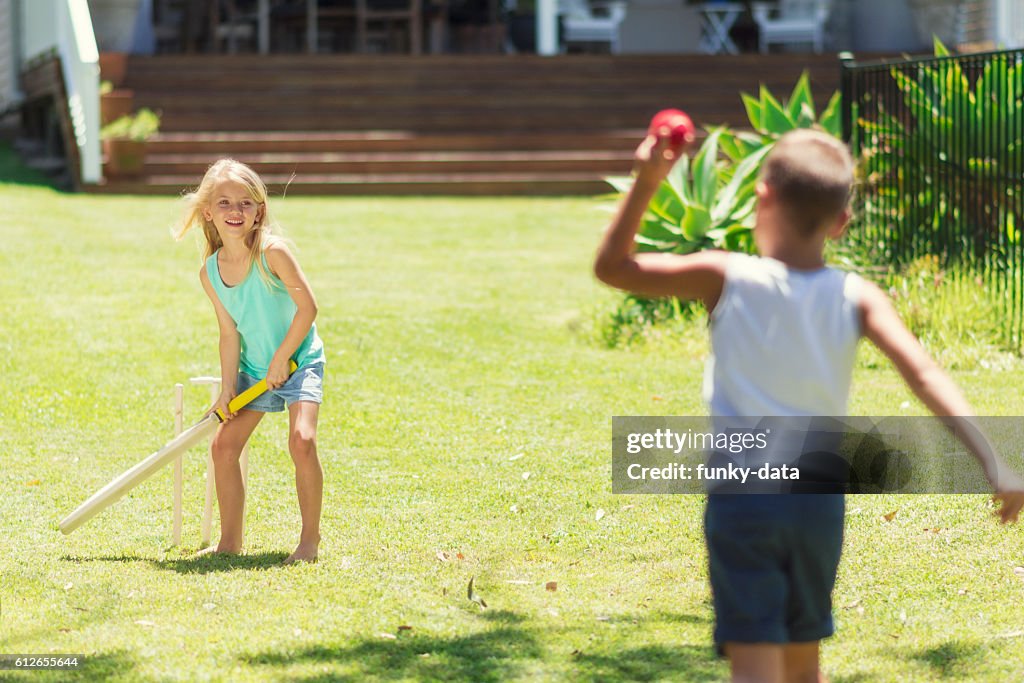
pixel 309 477
pixel 227 449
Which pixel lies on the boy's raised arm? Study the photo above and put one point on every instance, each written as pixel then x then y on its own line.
pixel 695 276
pixel 883 326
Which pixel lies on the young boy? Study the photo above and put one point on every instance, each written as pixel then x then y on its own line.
pixel 784 330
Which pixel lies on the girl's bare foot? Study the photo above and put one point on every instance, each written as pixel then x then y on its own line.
pixel 217 550
pixel 306 552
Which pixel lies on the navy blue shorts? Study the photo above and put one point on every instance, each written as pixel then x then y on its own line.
pixel 773 562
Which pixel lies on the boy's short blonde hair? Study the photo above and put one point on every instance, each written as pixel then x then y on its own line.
pixel 811 174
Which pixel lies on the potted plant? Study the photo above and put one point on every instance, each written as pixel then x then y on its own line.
pixel 114 102
pixel 124 143
pixel 113 66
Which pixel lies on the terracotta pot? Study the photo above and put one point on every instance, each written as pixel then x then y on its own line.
pixel 115 104
pixel 112 67
pixel 124 158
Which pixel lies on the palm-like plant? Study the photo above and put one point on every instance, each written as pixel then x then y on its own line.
pixel 942 164
pixel 708 201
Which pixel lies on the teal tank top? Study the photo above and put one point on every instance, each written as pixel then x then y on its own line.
pixel 262 315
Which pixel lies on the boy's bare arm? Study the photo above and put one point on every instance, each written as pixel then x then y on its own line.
pixel 883 326
pixel 695 276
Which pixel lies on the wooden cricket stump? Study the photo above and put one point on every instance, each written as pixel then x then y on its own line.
pixel 207 522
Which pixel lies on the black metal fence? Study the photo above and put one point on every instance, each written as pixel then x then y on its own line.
pixel 940 145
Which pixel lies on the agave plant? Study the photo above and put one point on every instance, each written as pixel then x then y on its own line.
pixel 708 201
pixel 702 203
pixel 771 119
pixel 942 164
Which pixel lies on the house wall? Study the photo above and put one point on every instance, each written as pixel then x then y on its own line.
pixel 660 26
pixel 1008 23
pixel 875 26
pixel 37 20
pixel 8 55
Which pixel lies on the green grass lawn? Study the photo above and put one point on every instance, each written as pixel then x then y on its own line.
pixel 465 433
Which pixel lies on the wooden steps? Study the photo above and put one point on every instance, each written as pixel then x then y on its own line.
pixel 481 124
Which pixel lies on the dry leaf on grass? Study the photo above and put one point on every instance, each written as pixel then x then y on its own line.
pixel 472 595
pixel 891 516
pixel 551 586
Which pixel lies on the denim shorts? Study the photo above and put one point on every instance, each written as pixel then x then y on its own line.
pixel 305 384
pixel 773 561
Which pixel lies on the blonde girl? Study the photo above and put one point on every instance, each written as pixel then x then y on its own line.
pixel 265 310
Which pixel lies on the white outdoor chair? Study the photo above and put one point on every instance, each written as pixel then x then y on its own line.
pixel 791 21
pixel 582 25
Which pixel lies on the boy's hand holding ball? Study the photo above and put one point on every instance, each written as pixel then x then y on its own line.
pixel 670 132
pixel 674 125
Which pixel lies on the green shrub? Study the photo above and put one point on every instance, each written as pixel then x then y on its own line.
pixel 141 125
pixel 957 318
pixel 941 174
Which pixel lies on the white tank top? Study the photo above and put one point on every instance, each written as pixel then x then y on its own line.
pixel 783 341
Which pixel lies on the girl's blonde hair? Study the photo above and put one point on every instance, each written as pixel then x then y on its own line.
pixel 263 232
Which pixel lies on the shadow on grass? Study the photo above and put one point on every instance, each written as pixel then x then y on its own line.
pixel 859 677
pixel 492 655
pixel 952 659
pixel 207 564
pixel 116 666
pixel 508 647
pixel 13 172
pixel 651 663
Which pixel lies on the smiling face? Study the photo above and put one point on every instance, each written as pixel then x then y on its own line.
pixel 233 210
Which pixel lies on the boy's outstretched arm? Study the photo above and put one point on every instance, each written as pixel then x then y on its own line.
pixel 694 276
pixel 882 325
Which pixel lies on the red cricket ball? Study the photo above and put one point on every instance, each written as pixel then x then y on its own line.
pixel 674 123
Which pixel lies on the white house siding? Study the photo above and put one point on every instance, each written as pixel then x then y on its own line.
pixel 1008 23
pixel 8 56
